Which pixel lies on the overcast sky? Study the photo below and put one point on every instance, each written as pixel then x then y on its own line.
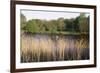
pixel 49 15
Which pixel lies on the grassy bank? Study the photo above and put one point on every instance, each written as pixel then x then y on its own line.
pixel 58 32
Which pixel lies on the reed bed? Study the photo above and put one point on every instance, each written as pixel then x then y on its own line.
pixel 43 48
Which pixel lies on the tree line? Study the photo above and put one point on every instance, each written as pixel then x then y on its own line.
pixel 79 24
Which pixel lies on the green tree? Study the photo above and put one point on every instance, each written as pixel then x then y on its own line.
pixel 83 23
pixel 76 26
pixel 23 21
pixel 69 25
pixel 31 26
pixel 40 25
pixel 52 26
pixel 61 24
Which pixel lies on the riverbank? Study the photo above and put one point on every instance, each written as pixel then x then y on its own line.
pixel 58 33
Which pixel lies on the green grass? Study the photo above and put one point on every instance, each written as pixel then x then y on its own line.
pixel 60 32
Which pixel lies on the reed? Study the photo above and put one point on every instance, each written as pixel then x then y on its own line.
pixel 42 49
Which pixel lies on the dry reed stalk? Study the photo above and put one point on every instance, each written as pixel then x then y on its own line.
pixel 61 47
pixel 32 48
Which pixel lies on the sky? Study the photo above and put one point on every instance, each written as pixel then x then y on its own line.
pixel 49 15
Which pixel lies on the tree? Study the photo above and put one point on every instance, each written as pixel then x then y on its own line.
pixel 83 23
pixel 31 26
pixel 61 24
pixel 23 21
pixel 69 24
pixel 40 25
pixel 76 26
pixel 52 26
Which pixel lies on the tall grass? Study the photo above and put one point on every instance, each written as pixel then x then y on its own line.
pixel 41 48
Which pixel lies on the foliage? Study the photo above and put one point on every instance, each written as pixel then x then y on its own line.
pixel 23 21
pixel 83 23
pixel 60 25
